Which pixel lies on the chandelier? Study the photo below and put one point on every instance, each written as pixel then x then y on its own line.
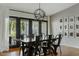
pixel 39 13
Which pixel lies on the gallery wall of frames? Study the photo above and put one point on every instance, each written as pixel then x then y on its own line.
pixel 69 26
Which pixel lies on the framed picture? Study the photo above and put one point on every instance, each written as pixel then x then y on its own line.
pixel 71 27
pixel 61 27
pixel 65 19
pixel 76 34
pixel 77 19
pixel 65 27
pixel 71 34
pixel 71 19
pixel 77 26
pixel 66 34
pixel 61 20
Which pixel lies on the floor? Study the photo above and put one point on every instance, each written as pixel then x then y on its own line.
pixel 66 51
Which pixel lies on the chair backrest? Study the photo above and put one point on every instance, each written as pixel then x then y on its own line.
pixel 59 37
pixel 10 39
pixel 22 36
pixel 37 41
pixel 37 38
pixel 31 36
pixel 50 36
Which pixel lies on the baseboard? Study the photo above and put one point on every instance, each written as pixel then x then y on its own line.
pixel 4 51
pixel 69 45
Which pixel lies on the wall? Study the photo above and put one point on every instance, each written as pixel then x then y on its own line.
pixel 4 45
pixel 72 11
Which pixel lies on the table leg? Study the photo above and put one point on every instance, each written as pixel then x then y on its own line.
pixel 23 49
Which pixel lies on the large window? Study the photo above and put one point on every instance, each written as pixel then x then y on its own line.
pixel 12 30
pixel 23 26
pixel 35 27
pixel 44 28
pixel 12 27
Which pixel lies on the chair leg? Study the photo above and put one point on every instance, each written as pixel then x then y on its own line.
pixel 60 50
pixel 19 51
pixel 55 50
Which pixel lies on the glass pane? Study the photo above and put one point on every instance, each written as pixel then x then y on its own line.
pixel 44 30
pixel 12 31
pixel 12 27
pixel 35 27
pixel 24 28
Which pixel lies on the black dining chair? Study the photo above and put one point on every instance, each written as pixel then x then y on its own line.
pixel 37 44
pixel 22 38
pixel 20 47
pixel 56 44
pixel 30 45
pixel 47 44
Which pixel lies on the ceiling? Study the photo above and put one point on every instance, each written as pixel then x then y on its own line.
pixel 49 8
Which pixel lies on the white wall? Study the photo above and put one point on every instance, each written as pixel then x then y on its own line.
pixel 72 11
pixel 4 45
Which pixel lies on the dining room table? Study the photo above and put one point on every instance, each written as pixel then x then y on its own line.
pixel 28 44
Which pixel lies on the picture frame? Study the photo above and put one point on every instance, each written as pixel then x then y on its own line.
pixel 76 18
pixel 77 26
pixel 61 26
pixel 61 20
pixel 65 27
pixel 66 34
pixel 71 19
pixel 77 34
pixel 71 34
pixel 66 20
pixel 71 26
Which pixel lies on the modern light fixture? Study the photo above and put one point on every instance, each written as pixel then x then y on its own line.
pixel 39 13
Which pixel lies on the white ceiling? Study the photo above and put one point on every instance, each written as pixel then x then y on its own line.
pixel 49 8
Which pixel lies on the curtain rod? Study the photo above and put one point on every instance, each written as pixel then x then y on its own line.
pixel 21 11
